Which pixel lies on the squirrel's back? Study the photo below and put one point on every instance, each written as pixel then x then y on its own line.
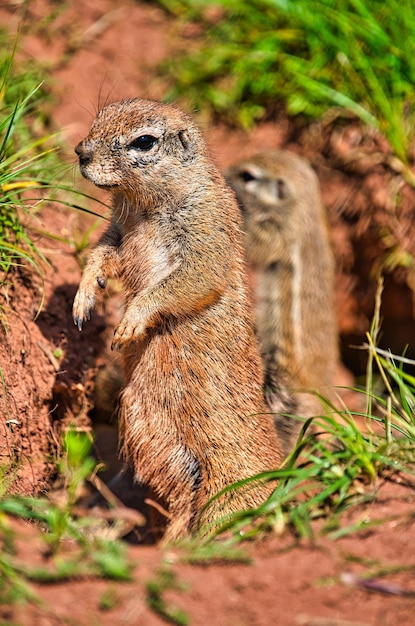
pixel 288 246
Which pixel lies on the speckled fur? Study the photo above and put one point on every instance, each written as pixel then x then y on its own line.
pixel 287 245
pixel 192 411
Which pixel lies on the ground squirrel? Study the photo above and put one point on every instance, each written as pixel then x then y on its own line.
pixel 192 411
pixel 287 245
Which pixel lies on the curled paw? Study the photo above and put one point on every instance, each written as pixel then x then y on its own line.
pixel 127 332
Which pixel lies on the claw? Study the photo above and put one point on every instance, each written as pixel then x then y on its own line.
pixel 78 322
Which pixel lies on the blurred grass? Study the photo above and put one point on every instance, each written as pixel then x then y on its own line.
pixel 91 554
pixel 249 58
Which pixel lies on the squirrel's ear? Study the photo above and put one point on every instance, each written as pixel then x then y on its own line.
pixel 185 139
pixel 189 144
pixel 281 190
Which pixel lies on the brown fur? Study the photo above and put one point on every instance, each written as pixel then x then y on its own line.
pixel 287 244
pixel 192 412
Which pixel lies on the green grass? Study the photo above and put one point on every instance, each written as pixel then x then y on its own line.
pixel 23 162
pixel 325 476
pixel 305 55
pixel 90 554
pixel 155 588
pixel 31 172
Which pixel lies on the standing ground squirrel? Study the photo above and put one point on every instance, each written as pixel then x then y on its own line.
pixel 192 413
pixel 287 245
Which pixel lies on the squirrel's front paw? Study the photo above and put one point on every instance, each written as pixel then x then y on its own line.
pixel 126 332
pixel 83 304
pixel 85 299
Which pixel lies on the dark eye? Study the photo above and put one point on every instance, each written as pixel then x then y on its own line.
pixel 246 176
pixel 144 142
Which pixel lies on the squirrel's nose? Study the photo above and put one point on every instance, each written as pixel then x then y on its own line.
pixel 85 152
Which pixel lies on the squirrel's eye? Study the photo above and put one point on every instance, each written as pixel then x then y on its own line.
pixel 144 142
pixel 246 176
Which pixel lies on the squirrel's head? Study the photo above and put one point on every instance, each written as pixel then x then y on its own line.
pixel 140 146
pixel 278 195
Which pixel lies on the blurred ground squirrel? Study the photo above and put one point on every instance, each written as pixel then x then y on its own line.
pixel 192 411
pixel 287 245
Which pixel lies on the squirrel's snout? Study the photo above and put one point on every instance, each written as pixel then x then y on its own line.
pixel 85 152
